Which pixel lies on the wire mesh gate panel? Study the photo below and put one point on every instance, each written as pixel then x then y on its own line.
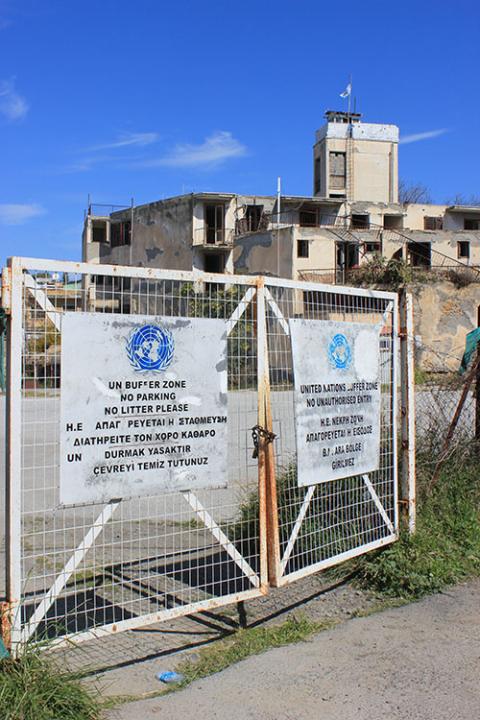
pixel 85 569
pixel 81 570
pixel 324 524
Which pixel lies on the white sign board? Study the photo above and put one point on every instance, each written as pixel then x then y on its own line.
pixel 143 405
pixel 337 398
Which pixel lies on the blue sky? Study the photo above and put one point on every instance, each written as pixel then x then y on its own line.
pixel 152 99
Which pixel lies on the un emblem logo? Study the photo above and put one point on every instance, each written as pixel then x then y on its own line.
pixel 339 353
pixel 150 348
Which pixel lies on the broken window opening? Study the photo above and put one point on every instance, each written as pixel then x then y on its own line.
pixel 316 175
pixel 120 233
pixel 214 262
pixel 302 248
pixel 463 249
pixel 393 222
pixel 361 222
pixel 338 171
pixel 419 254
pixel 214 224
pixel 433 223
pixel 99 232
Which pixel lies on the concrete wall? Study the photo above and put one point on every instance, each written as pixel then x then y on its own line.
pixel 375 160
pixel 443 315
pixel 321 250
pixel 416 212
pixel 162 236
pixel 375 174
pixel 268 253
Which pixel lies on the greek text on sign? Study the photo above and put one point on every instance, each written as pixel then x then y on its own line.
pixel 337 398
pixel 143 406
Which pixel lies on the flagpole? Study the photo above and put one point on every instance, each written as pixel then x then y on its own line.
pixel 349 98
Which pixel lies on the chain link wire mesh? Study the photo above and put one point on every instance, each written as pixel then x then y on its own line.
pixel 86 568
pixel 90 569
pixel 445 413
pixel 325 524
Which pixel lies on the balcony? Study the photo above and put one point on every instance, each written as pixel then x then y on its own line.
pixel 208 236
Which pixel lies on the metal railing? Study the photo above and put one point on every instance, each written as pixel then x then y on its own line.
pixel 213 237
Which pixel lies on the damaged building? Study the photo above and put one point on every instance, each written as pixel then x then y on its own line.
pixel 352 215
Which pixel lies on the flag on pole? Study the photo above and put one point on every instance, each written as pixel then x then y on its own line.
pixel 347 92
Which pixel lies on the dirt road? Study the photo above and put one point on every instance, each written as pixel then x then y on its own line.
pixel 417 662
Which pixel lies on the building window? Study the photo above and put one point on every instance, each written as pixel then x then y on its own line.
pixel 214 224
pixel 419 254
pixel 316 175
pixel 338 171
pixel 308 216
pixel 214 262
pixel 99 232
pixel 361 222
pixel 463 250
pixel 120 233
pixel 253 217
pixel 432 223
pixel 470 224
pixel 393 222
pixel 302 248
pixel 372 247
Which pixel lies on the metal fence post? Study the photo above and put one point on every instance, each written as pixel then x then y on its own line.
pixel 407 359
pixel 266 459
pixel 11 620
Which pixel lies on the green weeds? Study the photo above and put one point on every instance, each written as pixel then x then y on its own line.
pixel 445 548
pixel 33 687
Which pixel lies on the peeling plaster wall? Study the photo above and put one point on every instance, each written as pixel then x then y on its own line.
pixel 443 315
pixel 269 253
pixel 162 236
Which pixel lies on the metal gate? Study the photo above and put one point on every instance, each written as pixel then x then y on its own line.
pixel 84 570
pixel 325 524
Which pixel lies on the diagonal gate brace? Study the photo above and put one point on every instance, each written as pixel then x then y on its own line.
pixel 64 576
pixel 220 537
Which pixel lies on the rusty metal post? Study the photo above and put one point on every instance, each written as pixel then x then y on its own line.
pixel 262 486
pixel 273 533
pixel 266 462
pixel 407 364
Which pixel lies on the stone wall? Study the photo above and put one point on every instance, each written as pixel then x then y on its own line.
pixel 443 315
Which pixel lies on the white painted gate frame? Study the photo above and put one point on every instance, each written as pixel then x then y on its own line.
pixel 14 281
pixel 280 577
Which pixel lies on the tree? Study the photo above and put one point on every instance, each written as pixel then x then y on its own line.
pixel 413 193
pixel 460 199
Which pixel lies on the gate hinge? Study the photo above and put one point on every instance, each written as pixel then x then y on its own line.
pixel 6 296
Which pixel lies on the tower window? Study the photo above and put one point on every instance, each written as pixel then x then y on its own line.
pixel 338 171
pixel 316 182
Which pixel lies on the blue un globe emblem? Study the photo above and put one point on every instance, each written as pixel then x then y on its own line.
pixel 150 348
pixel 339 352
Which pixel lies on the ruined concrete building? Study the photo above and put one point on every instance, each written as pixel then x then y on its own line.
pixel 352 214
